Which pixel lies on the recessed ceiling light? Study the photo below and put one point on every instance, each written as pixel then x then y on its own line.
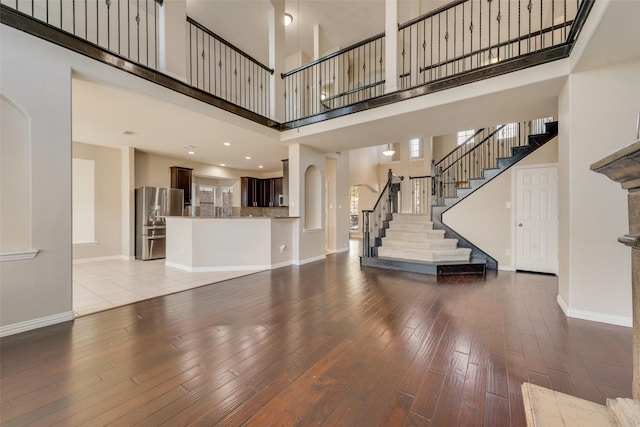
pixel 189 147
pixel 248 157
pixel 223 164
pixel 260 167
pixel 192 152
pixel 128 132
pixel 227 144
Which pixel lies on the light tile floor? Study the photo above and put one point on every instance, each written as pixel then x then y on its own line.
pixel 103 285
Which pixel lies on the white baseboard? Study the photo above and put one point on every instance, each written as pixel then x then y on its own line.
pixel 101 259
pixel 337 251
pixel 593 316
pixel 506 268
pixel 281 264
pixel 41 322
pixel 308 260
pixel 214 269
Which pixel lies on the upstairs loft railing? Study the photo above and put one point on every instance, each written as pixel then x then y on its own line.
pixel 470 34
pixel 127 28
pixel 131 29
pixel 221 69
pixel 350 75
pixel 376 220
pixel 455 40
pixel 481 151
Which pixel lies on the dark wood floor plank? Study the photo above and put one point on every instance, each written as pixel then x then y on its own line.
pixel 326 343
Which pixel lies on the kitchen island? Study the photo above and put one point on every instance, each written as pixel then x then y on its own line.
pixel 229 243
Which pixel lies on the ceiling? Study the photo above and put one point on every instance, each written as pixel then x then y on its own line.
pixel 103 115
pixel 342 22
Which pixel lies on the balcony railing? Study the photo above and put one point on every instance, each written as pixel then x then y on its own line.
pixel 351 75
pixel 221 69
pixel 441 49
pixel 470 34
pixel 127 28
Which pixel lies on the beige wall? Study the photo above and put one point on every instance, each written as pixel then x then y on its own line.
pixel 108 198
pixel 483 218
pixel 598 115
pixel 37 292
pixel 154 171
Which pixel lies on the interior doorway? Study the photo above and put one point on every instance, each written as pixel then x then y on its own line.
pixel 536 219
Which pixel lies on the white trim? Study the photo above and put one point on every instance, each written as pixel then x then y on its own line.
pixel 308 260
pixel 337 251
pixel 19 255
pixel 593 316
pixel 312 230
pixel 506 268
pixel 563 305
pixel 101 259
pixel 29 325
pixel 94 243
pixel 281 264
pixel 215 269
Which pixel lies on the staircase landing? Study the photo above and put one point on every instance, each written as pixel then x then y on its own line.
pixel 411 244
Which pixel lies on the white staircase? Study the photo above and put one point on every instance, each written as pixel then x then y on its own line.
pixel 412 237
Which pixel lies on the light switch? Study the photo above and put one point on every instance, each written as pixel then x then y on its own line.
pixel 508 205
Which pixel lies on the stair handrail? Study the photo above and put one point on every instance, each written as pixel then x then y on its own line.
pixel 476 146
pixel 460 147
pixel 366 228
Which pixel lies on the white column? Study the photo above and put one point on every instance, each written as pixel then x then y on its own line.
pixel 391 46
pixel 127 188
pixel 277 58
pixel 316 42
pixel 173 47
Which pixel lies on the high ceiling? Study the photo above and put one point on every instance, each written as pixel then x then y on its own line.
pixel 102 112
pixel 342 22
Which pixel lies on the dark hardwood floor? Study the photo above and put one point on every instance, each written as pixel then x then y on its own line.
pixel 325 343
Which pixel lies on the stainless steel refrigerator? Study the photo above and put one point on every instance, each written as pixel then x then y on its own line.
pixel 153 204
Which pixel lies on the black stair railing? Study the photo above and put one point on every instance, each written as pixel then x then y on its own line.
pixel 376 220
pixel 463 164
pixel 422 188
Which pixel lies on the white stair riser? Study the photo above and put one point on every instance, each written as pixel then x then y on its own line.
pixel 414 235
pixel 461 254
pixel 420 244
pixel 411 226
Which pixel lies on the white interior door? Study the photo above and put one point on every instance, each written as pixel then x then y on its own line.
pixel 537 219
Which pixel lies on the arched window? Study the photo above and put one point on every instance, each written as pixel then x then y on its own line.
pixel 312 198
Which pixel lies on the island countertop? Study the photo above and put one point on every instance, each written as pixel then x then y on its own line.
pixel 229 243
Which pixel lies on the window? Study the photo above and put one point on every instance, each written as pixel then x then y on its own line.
pixel 509 130
pixel 466 136
pixel 415 148
pixel 207 196
pixel 354 209
pixel 227 201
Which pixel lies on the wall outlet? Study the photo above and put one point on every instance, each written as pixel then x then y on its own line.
pixel 508 205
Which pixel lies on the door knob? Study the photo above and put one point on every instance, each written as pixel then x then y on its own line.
pixel 520 225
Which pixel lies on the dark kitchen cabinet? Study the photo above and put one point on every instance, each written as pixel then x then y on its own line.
pixel 260 192
pixel 181 178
